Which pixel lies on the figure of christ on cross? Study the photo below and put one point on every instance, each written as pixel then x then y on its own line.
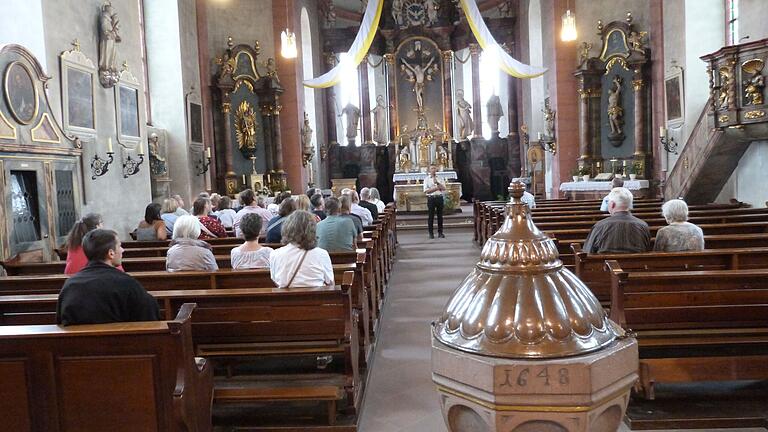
pixel 417 74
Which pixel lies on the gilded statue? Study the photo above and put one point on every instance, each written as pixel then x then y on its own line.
pixel 464 116
pixel 584 52
pixel 245 127
pixel 723 101
pixel 404 159
pixel 441 158
pixel 227 64
pixel 109 37
pixel 753 89
pixel 635 41
pixel 615 111
pixel 424 143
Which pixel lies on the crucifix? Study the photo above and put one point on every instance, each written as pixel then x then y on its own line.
pixel 420 68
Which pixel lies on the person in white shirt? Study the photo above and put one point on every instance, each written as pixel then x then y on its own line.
pixel 300 263
pixel 616 182
pixel 251 204
pixel 376 199
pixel 434 189
pixel 357 209
pixel 225 213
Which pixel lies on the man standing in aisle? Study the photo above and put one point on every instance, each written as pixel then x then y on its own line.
pixel 434 189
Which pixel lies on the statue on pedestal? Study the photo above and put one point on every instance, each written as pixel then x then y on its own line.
pixel 353 117
pixel 495 113
pixel 441 158
pixel 464 117
pixel 306 140
pixel 615 113
pixel 404 162
pixel 380 121
pixel 109 37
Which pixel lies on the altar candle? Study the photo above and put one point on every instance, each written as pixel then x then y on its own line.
pixel 243 178
pixel 208 152
pixel 662 132
pixel 141 148
pixel 539 136
pixel 109 145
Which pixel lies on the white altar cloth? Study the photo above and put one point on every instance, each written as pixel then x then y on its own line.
pixel 441 175
pixel 601 185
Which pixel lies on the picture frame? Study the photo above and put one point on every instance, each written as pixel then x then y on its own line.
pixel 674 97
pixel 21 94
pixel 78 92
pixel 194 122
pixel 128 116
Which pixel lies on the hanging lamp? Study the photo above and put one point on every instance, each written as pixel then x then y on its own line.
pixel 568 32
pixel 288 39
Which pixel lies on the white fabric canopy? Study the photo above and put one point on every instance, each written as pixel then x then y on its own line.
pixel 357 51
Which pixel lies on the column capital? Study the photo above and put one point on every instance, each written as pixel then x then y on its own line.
pixel 389 58
pixel 447 55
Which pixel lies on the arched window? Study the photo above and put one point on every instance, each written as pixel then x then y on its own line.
pixel 490 84
pixel 308 70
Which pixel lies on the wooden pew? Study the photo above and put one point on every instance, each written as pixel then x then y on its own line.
pixel 591 268
pixel 694 325
pixel 233 324
pixel 139 376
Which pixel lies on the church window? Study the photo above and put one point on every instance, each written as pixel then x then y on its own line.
pixel 732 14
pixel 144 64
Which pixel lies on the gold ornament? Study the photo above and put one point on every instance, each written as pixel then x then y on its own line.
pixel 245 126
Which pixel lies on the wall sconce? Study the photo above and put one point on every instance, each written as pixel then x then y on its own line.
pixel 131 166
pixel 100 166
pixel 669 143
pixel 202 165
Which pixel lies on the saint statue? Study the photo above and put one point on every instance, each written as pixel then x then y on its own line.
pixel 380 121
pixel 495 113
pixel 635 41
pixel 441 158
pixel 464 116
pixel 405 159
pixel 417 74
pixel 753 89
pixel 157 162
pixel 549 119
pixel 397 11
pixel 306 135
pixel 109 37
pixel 615 111
pixel 432 7
pixel 353 117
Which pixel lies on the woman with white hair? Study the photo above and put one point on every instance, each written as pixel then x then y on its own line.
pixel 679 235
pixel 300 263
pixel 187 253
pixel 376 199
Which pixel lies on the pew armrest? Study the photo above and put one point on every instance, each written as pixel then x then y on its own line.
pixel 618 277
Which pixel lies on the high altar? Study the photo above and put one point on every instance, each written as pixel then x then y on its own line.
pixel 411 109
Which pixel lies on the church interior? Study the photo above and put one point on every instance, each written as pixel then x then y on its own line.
pixel 526 116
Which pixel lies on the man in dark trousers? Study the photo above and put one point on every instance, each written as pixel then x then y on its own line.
pixel 434 189
pixel 100 293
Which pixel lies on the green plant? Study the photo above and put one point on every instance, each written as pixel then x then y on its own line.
pixel 585 170
pixel 635 168
pixel 576 171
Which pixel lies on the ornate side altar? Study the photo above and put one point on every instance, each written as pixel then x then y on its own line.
pixel 598 189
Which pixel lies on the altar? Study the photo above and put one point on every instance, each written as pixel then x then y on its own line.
pixel 411 197
pixel 442 176
pixel 598 189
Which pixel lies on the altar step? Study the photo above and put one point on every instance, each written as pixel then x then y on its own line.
pixel 450 222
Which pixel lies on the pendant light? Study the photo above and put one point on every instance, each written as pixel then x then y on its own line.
pixel 568 31
pixel 288 38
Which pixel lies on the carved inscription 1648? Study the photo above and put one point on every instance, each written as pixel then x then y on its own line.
pixel 538 379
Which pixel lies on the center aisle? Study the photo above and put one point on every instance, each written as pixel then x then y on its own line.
pixel 400 395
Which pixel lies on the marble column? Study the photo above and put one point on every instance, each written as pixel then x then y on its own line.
pixel 638 88
pixel 477 115
pixel 585 127
pixel 394 121
pixel 330 102
pixel 448 93
pixel 365 101
pixel 230 178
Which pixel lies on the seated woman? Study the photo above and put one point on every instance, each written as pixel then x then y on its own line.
pixel 300 263
pixel 168 214
pixel 679 235
pixel 76 258
pixel 153 226
pixel 303 203
pixel 186 251
pixel 287 206
pixel 210 228
pixel 225 213
pixel 250 254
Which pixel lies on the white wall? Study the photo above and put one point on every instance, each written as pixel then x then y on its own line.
pixel 21 23
pixel 746 182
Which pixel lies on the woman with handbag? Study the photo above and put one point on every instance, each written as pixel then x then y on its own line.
pixel 300 263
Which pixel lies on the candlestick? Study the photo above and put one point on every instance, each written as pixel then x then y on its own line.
pixel 109 145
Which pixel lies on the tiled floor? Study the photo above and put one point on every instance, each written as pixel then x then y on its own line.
pixel 400 396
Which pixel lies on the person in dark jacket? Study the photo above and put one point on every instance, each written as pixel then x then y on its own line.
pixel 100 293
